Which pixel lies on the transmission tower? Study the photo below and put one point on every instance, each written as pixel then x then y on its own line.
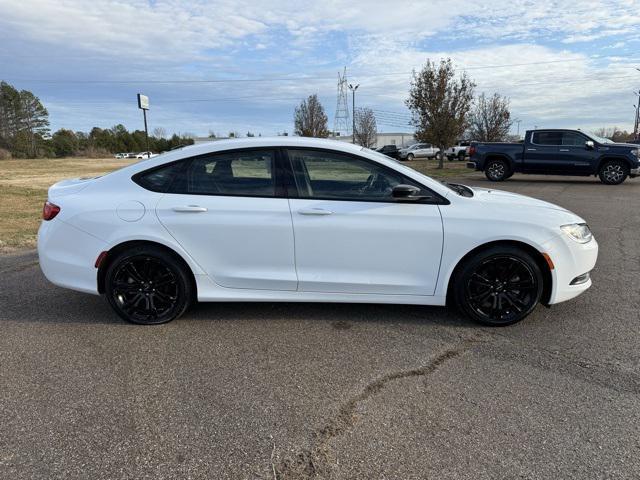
pixel 341 119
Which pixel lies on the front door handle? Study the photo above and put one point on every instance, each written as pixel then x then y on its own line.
pixel 314 211
pixel 565 150
pixel 531 149
pixel 190 209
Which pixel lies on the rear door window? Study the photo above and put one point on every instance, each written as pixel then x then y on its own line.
pixel 547 138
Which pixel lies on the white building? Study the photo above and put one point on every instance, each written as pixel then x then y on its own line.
pixel 401 139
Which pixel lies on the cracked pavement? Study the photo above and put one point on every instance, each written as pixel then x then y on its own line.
pixel 295 391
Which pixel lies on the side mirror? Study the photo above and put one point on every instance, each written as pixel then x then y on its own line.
pixel 407 193
pixel 589 144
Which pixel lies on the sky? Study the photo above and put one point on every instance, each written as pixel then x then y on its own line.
pixel 221 66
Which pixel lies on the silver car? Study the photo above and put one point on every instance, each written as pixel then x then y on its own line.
pixel 419 150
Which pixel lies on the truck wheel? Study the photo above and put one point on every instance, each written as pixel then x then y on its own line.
pixel 497 170
pixel 613 172
pixel 438 156
pixel 461 156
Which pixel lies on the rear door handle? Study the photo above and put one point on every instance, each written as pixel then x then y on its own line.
pixel 531 149
pixel 564 150
pixel 314 211
pixel 190 209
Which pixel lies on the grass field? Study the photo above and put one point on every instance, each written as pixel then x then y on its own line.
pixel 24 184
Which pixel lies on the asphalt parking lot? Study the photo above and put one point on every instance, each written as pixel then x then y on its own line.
pixel 331 391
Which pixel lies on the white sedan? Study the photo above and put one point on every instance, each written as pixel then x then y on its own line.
pixel 306 220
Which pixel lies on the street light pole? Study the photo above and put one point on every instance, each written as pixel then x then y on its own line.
pixel 353 111
pixel 518 122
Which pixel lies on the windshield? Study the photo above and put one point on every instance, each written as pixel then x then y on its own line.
pixel 598 139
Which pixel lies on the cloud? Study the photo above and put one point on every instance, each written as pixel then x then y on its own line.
pixel 380 42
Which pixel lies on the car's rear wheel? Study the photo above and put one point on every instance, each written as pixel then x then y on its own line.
pixel 613 172
pixel 497 170
pixel 410 157
pixel 147 285
pixel 499 286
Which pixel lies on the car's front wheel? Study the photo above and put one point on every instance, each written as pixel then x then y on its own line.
pixel 410 157
pixel 147 285
pixel 613 172
pixel 499 286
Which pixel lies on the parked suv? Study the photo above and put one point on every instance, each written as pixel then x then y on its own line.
pixel 558 152
pixel 389 150
pixel 419 150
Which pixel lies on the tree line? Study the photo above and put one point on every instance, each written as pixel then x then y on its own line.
pixel 25 132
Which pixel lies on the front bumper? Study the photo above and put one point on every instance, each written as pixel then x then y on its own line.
pixel 634 172
pixel 572 260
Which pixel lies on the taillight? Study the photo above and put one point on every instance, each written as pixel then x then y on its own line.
pixel 472 150
pixel 50 210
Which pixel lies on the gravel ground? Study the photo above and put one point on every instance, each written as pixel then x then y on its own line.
pixel 331 391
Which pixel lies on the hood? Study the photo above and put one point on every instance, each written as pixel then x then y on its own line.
pixel 69 186
pixel 619 146
pixel 518 206
pixel 511 199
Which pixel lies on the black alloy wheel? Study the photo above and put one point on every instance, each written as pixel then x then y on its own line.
pixel 499 287
pixel 613 172
pixel 496 170
pixel 148 286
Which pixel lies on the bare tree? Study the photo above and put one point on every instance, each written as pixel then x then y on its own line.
pixel 159 132
pixel 490 119
pixel 309 119
pixel 439 104
pixel 366 129
pixel 614 134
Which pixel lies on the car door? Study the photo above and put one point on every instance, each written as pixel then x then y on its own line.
pixel 423 150
pixel 542 152
pixel 230 213
pixel 575 158
pixel 350 234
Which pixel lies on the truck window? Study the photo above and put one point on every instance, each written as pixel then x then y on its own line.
pixel 573 139
pixel 547 138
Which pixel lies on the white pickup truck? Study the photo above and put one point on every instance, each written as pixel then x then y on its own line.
pixel 458 151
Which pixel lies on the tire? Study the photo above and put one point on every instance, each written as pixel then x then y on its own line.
pixel 130 289
pixel 438 156
pixel 613 172
pixel 410 157
pixel 498 286
pixel 497 170
pixel 461 156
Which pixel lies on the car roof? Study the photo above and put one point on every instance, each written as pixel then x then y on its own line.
pixel 285 142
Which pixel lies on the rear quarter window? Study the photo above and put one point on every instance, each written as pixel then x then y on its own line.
pixel 159 179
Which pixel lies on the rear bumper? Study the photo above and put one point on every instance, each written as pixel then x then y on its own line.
pixel 67 256
pixel 572 260
pixel 472 165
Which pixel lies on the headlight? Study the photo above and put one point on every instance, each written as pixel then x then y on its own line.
pixel 578 231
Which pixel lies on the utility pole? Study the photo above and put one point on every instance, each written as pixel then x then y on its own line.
pixel 353 111
pixel 636 123
pixel 518 122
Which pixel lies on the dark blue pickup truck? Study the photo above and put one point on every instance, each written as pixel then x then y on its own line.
pixel 557 152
